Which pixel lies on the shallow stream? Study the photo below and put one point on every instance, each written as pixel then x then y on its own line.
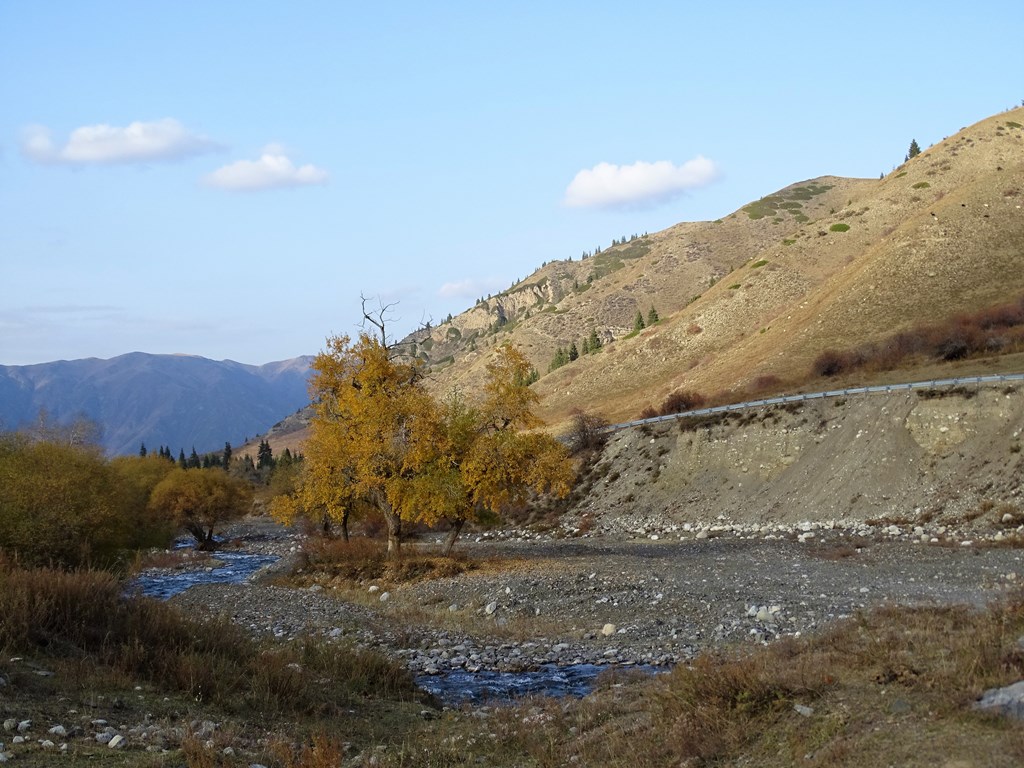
pixel 453 688
pixel 236 568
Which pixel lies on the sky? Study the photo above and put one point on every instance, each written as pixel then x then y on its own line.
pixel 228 179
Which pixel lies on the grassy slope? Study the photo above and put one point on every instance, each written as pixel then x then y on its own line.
pixel 941 234
pixel 896 265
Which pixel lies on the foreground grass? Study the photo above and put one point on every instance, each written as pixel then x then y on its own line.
pixel 75 649
pixel 889 687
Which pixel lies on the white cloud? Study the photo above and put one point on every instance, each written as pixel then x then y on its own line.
pixel 103 144
pixel 638 185
pixel 274 170
pixel 471 288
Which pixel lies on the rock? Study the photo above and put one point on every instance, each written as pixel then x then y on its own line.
pixel 10 725
pixel 58 730
pixel 24 725
pixel 804 710
pixel 117 742
pixel 490 608
pixel 1007 701
pixel 899 706
pixel 104 738
pixel 703 534
pixel 373 588
pixel 385 596
pixel 47 744
pixel 608 630
pixel 764 615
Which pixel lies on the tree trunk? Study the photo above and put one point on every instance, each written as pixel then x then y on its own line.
pixel 344 525
pixel 453 534
pixel 394 535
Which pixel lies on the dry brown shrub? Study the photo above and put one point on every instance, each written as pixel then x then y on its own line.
pixel 681 400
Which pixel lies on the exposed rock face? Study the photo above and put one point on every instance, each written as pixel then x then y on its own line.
pixel 912 457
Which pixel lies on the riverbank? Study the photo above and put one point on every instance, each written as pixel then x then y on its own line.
pixel 616 603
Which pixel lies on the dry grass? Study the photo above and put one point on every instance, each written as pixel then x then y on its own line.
pixel 361 560
pixel 84 616
pixel 890 687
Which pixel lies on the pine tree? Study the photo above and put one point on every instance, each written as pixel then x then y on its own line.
pixel 652 316
pixel 914 151
pixel 595 340
pixel 264 456
pixel 638 322
pixel 142 450
pixel 227 456
pixel 194 461
pixel 585 347
pixel 181 459
pixel 574 353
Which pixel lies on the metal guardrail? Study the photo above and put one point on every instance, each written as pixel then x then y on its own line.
pixel 885 388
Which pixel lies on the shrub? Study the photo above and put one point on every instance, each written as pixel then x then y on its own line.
pixel 830 363
pixel 758 264
pixel 63 505
pixel 840 227
pixel 921 185
pixel 681 400
pixel 586 431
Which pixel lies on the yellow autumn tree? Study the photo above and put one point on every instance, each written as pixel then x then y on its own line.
pixel 374 428
pixel 324 493
pixel 200 500
pixel 380 439
pixel 485 460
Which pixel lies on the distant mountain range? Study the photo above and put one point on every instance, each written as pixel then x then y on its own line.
pixel 180 401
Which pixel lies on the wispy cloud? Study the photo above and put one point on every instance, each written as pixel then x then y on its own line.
pixel 638 185
pixel 471 288
pixel 273 170
pixel 138 142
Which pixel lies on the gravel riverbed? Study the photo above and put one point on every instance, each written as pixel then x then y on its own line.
pixel 608 601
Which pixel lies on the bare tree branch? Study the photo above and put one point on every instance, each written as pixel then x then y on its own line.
pixel 378 318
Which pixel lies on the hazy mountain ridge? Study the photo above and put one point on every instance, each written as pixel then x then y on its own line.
pixel 176 400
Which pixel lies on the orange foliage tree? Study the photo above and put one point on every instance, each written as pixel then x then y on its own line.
pixel 374 427
pixel 199 500
pixel 486 461
pixel 380 439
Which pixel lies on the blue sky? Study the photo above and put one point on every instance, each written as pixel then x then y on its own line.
pixel 225 179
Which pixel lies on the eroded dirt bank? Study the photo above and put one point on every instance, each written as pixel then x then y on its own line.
pixel 948 457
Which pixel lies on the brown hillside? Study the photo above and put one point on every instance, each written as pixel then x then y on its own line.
pixel 826 263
